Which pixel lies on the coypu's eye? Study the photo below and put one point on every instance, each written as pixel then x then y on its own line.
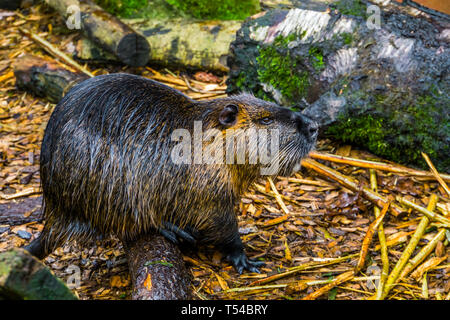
pixel 228 115
pixel 266 121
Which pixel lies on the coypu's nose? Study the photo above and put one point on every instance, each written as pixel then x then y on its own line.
pixel 306 125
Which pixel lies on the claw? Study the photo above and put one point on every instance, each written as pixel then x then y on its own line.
pixel 177 235
pixel 182 233
pixel 241 262
pixel 169 235
pixel 253 265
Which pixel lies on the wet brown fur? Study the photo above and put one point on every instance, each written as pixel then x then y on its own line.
pixel 106 169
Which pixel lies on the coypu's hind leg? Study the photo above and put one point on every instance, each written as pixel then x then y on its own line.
pixel 59 230
pixel 37 248
pixel 41 247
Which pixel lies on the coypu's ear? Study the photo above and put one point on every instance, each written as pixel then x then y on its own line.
pixel 228 115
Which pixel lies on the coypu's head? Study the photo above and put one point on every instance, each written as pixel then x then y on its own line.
pixel 276 138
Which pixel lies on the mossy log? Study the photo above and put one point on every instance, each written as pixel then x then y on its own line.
pixel 384 88
pixel 156 265
pixel 24 277
pixel 157 269
pixel 43 77
pixel 105 30
pixel 180 43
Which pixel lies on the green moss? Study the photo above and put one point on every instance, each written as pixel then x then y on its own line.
pixel 222 10
pixel 316 57
pixel 347 38
pixel 19 282
pixel 122 8
pixel 159 10
pixel 277 67
pixel 363 130
pixel 351 7
pixel 399 134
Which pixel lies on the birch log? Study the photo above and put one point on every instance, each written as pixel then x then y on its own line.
pixel 377 78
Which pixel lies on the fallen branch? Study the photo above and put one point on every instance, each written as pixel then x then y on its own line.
pixel 368 238
pixel 343 277
pixel 352 185
pixel 277 196
pixel 436 173
pixel 305 29
pixel 374 165
pixel 310 182
pixel 429 214
pixel 427 265
pixel 382 239
pixel 244 289
pixel 409 248
pixel 23 193
pixel 423 253
pixel 303 267
pixel 396 239
pixel 291 287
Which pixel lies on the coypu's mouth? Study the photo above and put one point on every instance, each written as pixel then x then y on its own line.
pixel 296 154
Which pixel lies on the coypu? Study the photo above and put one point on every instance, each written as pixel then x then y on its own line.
pixel 106 165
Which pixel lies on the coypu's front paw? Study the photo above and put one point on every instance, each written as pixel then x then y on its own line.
pixel 177 235
pixel 240 262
